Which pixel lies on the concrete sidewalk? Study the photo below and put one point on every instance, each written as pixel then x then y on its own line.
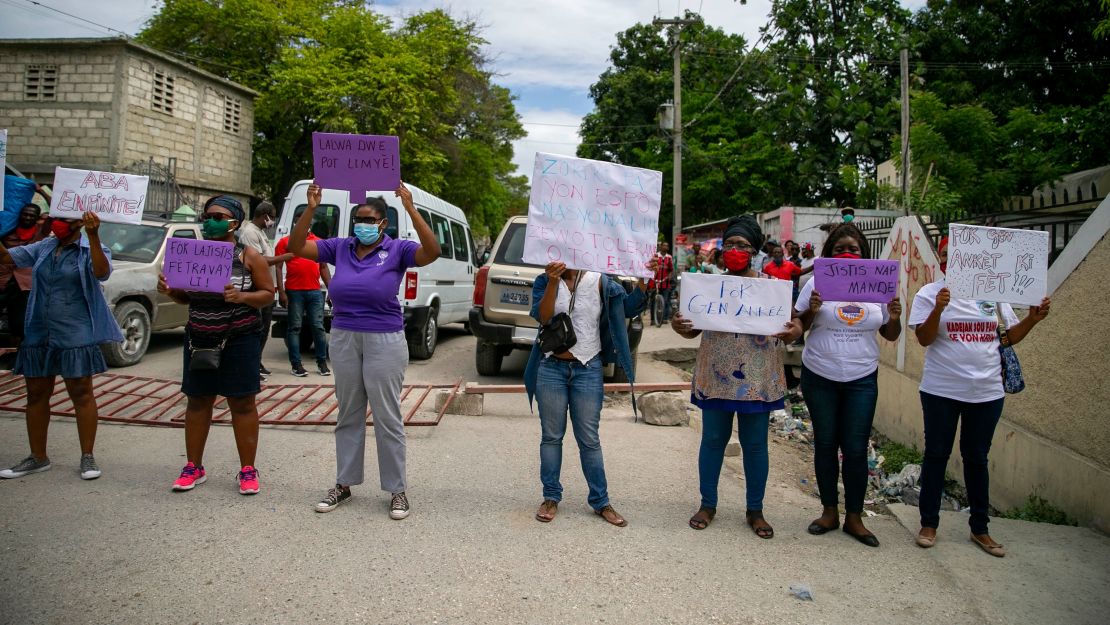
pixel 124 549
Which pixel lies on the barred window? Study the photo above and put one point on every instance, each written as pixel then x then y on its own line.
pixel 40 83
pixel 162 96
pixel 233 109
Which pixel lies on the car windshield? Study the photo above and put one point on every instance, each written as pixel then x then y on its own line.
pixel 134 242
pixel 511 251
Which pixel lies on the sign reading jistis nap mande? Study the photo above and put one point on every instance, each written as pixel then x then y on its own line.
pixel 997 264
pixel 593 215
pixel 112 197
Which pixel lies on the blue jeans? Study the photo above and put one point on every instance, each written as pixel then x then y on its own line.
pixel 302 303
pixel 977 422
pixel 716 429
pixel 570 385
pixel 842 414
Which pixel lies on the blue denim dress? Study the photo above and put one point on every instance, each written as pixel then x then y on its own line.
pixel 61 337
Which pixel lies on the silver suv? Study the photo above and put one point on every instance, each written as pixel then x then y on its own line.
pixel 132 290
pixel 503 299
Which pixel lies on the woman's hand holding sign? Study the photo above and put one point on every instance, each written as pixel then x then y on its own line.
pixel 683 326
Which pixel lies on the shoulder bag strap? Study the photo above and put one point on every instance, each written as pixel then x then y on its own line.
pixel 1003 331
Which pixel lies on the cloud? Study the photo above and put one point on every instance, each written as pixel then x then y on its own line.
pixel 549 130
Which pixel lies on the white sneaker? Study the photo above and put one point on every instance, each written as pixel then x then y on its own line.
pixel 399 507
pixel 89 470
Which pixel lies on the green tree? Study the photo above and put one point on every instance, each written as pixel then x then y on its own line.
pixel 834 87
pixel 335 65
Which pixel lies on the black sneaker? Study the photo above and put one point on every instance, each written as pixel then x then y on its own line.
pixel 299 371
pixel 263 370
pixel 322 367
pixel 89 469
pixel 334 497
pixel 29 465
pixel 399 507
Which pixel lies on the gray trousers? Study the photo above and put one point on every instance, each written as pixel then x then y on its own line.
pixel 369 367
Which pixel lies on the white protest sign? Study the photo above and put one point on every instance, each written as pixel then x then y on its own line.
pixel 997 264
pixel 593 215
pixel 3 163
pixel 725 303
pixel 112 197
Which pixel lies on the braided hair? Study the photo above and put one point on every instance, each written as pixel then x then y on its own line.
pixel 846 229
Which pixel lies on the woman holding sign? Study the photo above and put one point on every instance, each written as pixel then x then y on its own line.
pixel 962 385
pixel 737 375
pixel 568 378
pixel 67 321
pixel 368 348
pixel 840 369
pixel 223 348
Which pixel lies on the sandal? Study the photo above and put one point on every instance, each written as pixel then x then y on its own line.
pixel 612 516
pixel 702 518
pixel 759 524
pixel 547 511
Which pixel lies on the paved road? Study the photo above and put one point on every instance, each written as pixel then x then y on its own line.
pixel 124 549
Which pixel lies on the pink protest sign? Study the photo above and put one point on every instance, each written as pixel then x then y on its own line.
pixel 356 163
pixel 849 280
pixel 195 265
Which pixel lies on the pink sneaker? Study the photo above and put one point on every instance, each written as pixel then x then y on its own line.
pixel 248 481
pixel 191 476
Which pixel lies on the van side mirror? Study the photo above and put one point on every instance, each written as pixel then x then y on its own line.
pixel 484 258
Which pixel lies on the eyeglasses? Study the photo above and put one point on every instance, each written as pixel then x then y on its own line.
pixel 218 217
pixel 742 247
pixel 367 220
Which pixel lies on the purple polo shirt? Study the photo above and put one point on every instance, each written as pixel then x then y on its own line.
pixel 364 292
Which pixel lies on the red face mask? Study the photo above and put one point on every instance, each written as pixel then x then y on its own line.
pixel 848 255
pixel 944 267
pixel 735 260
pixel 61 229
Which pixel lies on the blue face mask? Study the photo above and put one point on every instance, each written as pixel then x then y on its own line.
pixel 366 233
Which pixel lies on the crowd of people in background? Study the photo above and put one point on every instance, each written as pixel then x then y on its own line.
pixel 50 273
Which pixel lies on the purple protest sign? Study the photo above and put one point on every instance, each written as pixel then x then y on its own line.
pixel 195 265
pixel 849 280
pixel 357 163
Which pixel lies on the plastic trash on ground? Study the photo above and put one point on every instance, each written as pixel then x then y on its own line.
pixel 802 591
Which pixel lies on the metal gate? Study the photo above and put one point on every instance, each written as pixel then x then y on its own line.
pixel 150 401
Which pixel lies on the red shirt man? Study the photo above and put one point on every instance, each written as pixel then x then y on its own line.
pixel 300 293
pixel 780 268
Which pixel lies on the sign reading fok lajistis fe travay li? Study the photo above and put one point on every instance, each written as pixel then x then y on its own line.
pixel 593 215
pixel 356 163
pixel 997 264
pixel 725 303
pixel 113 197
pixel 855 280
pixel 197 265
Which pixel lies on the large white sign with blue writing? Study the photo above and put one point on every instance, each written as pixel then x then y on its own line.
pixel 758 306
pixel 593 215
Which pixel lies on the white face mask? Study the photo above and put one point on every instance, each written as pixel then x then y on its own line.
pixel 269 223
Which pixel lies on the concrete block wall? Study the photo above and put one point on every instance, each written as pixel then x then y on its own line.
pixel 75 129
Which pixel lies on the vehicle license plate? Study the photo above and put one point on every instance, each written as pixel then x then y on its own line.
pixel 521 298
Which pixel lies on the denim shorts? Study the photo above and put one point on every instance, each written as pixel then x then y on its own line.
pixel 238 373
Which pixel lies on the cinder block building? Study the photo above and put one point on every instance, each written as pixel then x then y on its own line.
pixel 113 104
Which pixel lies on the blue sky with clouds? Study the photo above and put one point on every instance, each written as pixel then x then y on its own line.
pixel 546 53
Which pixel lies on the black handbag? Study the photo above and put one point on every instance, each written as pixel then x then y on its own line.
pixel 205 358
pixel 557 335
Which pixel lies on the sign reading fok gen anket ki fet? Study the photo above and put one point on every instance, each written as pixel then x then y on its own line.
pixel 997 264
pixel 593 215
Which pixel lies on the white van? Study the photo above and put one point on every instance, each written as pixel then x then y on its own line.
pixel 438 293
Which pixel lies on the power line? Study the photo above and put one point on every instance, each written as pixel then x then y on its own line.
pixel 50 8
pixel 731 78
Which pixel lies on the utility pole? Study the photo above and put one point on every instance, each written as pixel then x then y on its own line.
pixel 676 25
pixel 905 62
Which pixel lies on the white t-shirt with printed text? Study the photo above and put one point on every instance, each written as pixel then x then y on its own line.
pixel 843 340
pixel 963 362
